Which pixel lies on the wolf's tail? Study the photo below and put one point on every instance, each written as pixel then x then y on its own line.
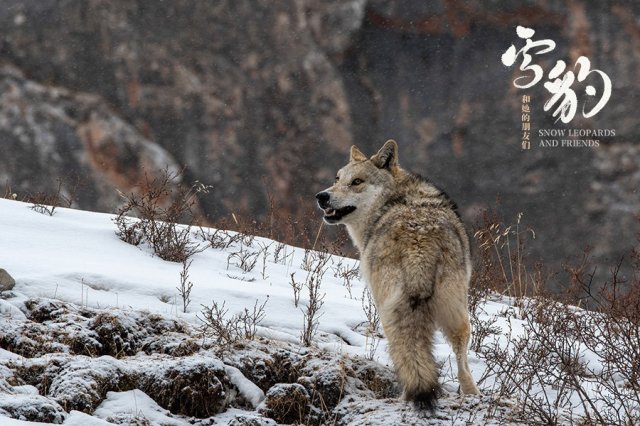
pixel 411 334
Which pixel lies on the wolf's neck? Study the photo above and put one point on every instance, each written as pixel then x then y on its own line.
pixel 361 231
pixel 356 232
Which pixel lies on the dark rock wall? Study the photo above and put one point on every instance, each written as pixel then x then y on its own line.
pixel 234 90
pixel 430 75
pixel 51 136
pixel 257 97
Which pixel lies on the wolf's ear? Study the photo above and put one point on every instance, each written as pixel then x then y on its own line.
pixel 356 154
pixel 387 157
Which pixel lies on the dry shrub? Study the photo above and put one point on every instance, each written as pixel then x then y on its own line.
pixel 569 360
pixel 302 227
pixel 220 239
pixel 46 203
pixel 500 261
pixel 118 335
pixel 227 330
pixel 502 266
pixel 316 266
pixel 347 272
pixel 372 324
pixel 8 193
pixel 190 387
pixel 569 364
pixel 287 403
pixel 184 290
pixel 160 205
pixel 243 258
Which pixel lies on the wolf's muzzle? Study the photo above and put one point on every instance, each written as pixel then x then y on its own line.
pixel 323 199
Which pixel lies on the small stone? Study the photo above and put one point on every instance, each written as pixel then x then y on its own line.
pixel 6 281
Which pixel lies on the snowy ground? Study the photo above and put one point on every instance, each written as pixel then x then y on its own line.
pixel 73 275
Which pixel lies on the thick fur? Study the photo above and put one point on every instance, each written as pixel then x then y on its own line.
pixel 414 255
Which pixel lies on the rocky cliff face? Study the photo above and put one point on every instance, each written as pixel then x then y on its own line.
pixel 55 138
pixel 262 99
pixel 234 92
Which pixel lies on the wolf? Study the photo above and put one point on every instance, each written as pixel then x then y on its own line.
pixel 415 258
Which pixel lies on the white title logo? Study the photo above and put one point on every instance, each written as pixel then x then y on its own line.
pixel 560 88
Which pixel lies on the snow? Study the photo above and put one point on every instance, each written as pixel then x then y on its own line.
pixel 75 257
pixel 7 310
pixel 128 405
pixel 7 421
pixel 77 418
pixel 246 387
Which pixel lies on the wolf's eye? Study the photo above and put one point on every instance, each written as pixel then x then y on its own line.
pixel 337 178
pixel 356 182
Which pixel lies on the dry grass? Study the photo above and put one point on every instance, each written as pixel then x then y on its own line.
pixel 160 205
pixel 226 330
pixel 316 266
pixel 46 203
pixel 550 368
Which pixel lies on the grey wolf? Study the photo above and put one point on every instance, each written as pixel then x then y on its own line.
pixel 415 258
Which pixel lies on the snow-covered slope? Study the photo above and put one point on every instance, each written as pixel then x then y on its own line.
pixel 92 321
pixel 75 256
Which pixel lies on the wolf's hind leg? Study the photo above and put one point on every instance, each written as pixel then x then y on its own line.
pixel 458 334
pixel 410 332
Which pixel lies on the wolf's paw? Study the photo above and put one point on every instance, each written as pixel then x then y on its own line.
pixel 423 399
pixel 470 388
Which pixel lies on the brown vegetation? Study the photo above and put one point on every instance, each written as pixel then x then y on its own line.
pixel 568 358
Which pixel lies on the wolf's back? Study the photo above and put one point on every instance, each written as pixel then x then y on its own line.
pixel 419 261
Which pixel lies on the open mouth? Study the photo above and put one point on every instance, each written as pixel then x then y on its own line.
pixel 334 215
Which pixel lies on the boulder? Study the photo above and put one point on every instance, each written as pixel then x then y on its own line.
pixel 6 281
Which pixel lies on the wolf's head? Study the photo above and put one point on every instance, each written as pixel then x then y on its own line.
pixel 360 186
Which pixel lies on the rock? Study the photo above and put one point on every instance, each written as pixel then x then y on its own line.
pixel 192 386
pixel 68 358
pixel 57 326
pixel 32 408
pixel 325 385
pixel 6 281
pixel 74 138
pixel 119 335
pixel 335 24
pixel 81 383
pixel 43 310
pixel 216 87
pixel 329 381
pixel 9 310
